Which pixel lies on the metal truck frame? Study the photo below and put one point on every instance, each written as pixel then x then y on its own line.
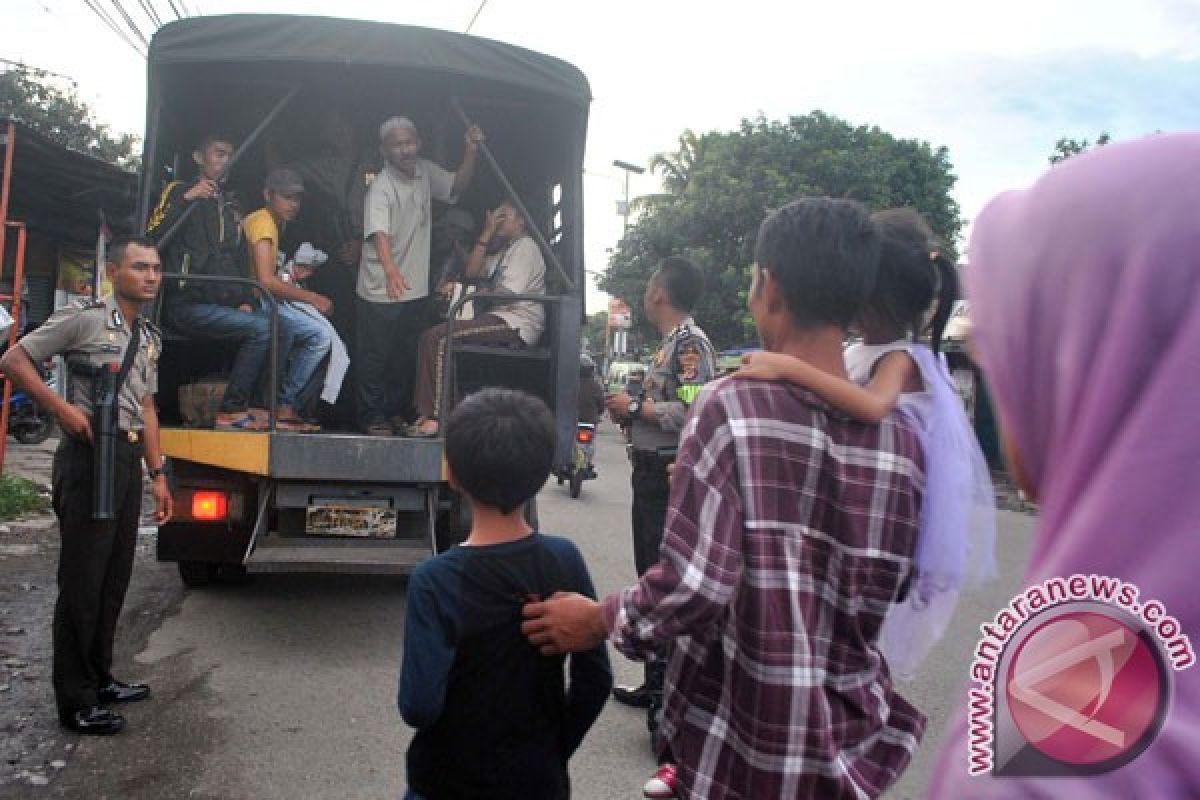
pixel 342 502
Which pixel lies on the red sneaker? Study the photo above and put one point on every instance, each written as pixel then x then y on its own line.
pixel 663 784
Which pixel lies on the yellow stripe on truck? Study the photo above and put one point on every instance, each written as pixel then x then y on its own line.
pixel 240 451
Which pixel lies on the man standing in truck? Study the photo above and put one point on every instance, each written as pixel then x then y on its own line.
pixel 393 276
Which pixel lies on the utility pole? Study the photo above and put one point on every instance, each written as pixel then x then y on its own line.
pixel 623 210
pixel 623 206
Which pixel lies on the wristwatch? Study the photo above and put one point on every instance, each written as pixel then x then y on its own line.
pixel 635 407
pixel 154 473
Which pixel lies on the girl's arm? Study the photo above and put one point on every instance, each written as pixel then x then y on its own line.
pixel 893 374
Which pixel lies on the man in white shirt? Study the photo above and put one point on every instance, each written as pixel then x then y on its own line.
pixel 393 275
pixel 513 261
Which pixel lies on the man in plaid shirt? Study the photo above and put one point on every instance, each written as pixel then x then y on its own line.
pixel 791 530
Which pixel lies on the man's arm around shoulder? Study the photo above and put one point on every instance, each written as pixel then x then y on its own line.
pixel 700 566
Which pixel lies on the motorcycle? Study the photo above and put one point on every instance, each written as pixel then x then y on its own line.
pixel 581 467
pixel 28 422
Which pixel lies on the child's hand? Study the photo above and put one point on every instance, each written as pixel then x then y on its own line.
pixel 764 366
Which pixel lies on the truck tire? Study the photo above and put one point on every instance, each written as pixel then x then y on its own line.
pixel 197 574
pixel 453 525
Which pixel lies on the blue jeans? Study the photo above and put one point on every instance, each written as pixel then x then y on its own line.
pixel 411 795
pixel 251 330
pixel 306 342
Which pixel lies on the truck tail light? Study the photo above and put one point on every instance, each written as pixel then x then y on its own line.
pixel 209 506
pixel 584 435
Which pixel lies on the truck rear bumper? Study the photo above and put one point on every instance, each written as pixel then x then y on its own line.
pixel 308 456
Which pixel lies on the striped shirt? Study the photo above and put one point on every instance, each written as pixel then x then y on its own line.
pixel 791 530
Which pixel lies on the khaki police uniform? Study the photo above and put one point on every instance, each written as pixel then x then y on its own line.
pixel 96 560
pixel 683 364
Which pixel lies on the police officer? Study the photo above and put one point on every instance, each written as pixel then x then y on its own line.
pixel 684 362
pixel 97 555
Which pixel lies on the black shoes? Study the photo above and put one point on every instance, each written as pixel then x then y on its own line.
pixel 121 692
pixel 639 697
pixel 92 720
pixel 98 720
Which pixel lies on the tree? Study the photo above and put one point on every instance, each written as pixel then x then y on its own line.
pixel 1064 148
pixel 721 184
pixel 594 331
pixel 28 95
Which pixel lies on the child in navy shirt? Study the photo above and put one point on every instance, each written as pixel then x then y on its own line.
pixel 495 718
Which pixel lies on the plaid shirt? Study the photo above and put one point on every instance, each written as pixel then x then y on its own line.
pixel 791 530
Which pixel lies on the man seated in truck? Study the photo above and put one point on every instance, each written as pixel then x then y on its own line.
pixel 512 263
pixel 209 242
pixel 305 338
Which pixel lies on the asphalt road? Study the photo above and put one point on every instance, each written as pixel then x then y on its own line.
pixel 285 687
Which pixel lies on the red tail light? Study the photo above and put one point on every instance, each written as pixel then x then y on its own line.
pixel 208 506
pixel 584 435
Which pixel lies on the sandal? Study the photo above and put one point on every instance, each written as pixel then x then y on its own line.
pixel 240 421
pixel 296 425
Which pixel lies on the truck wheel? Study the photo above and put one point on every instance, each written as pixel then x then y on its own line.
pixel 454 525
pixel 197 574
pixel 577 482
pixel 233 574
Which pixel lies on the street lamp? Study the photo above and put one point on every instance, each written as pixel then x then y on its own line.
pixel 623 206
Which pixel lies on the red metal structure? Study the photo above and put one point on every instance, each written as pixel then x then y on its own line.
pixel 10 141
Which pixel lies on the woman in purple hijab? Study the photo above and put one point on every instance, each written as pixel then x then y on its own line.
pixel 1085 300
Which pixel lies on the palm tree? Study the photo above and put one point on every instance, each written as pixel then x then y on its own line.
pixel 676 170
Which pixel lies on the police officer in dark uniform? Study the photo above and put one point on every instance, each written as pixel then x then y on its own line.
pixel 684 363
pixel 97 555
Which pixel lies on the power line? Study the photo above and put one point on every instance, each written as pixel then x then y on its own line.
pixel 151 13
pixel 112 26
pixel 120 7
pixel 478 11
pixel 171 3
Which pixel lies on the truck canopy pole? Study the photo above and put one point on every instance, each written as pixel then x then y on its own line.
pixel 530 226
pixel 242 149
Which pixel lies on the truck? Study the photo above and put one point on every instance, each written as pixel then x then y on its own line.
pixel 340 501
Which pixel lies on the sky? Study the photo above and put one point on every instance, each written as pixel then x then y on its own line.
pixel 997 84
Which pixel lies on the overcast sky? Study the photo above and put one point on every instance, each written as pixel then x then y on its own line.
pixel 996 83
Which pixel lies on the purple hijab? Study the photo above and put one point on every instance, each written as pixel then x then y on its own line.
pixel 1085 302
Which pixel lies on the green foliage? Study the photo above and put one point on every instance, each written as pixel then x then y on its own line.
pixel 1064 148
pixel 593 331
pixel 19 496
pixel 28 95
pixel 720 185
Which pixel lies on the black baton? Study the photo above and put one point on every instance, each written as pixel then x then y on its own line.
pixel 104 437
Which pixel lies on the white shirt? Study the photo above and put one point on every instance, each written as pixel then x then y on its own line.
pixel 520 269
pixel 402 208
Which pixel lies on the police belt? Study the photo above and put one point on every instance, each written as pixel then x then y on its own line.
pixel 653 459
pixel 132 438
